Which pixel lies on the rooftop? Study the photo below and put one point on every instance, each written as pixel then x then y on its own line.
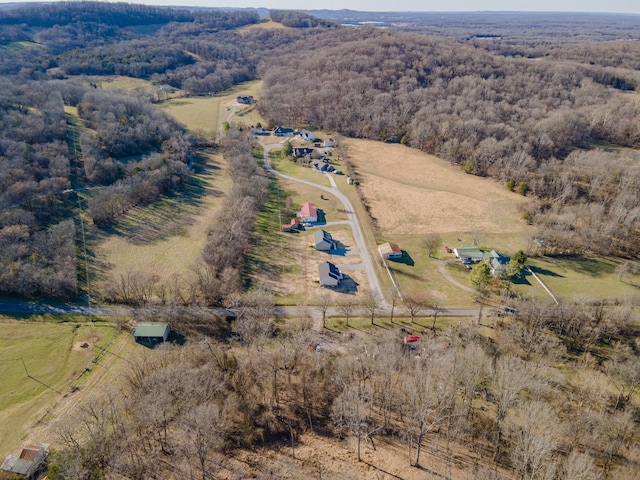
pixel 151 329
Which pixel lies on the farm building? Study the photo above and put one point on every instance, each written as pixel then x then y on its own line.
pixel 28 463
pixel 390 251
pixel 308 213
pixel 329 275
pixel 469 254
pixel 323 241
pixel 152 332
pixel 289 227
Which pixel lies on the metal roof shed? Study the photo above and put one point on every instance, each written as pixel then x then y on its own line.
pixel 152 332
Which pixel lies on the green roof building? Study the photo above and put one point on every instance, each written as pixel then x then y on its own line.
pixel 152 332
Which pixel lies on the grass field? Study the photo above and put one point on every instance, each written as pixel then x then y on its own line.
pixel 206 114
pixel 57 357
pixel 167 238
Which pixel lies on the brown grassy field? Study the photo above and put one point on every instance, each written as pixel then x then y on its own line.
pixel 410 192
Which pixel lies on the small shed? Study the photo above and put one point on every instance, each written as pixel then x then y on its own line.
pixel 31 459
pixel 290 227
pixel 390 251
pixel 323 240
pixel 152 332
pixel 329 275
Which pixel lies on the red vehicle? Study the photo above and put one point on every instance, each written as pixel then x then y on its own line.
pixel 447 249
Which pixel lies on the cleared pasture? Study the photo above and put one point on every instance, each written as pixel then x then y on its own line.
pixel 206 114
pixel 167 238
pixel 57 358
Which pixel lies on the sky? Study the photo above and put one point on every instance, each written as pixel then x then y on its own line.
pixel 614 6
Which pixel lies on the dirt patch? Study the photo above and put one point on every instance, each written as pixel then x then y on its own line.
pixel 85 345
pixel 410 192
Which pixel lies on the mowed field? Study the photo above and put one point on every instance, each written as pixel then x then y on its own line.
pixel 59 359
pixel 411 194
pixel 167 238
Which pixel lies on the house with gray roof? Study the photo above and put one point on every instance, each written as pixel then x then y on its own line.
pixel 31 460
pixel 323 241
pixel 329 275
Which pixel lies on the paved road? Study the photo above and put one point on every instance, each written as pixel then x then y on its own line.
pixel 352 218
pixel 36 308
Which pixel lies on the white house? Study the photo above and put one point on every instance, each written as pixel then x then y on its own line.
pixel 469 254
pixel 308 213
pixel 307 135
pixel 329 275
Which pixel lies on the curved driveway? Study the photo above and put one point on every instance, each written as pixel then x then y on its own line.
pixel 352 218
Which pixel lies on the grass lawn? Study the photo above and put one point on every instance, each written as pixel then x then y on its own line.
pixel 206 114
pixel 166 238
pixel 382 321
pixel 57 358
pixel 588 276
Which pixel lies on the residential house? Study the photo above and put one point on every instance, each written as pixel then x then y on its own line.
pixel 152 332
pixel 307 136
pixel 329 275
pixel 257 131
pixel 32 459
pixel 283 132
pixel 329 143
pixel 469 254
pixel 245 99
pixel 323 241
pixel 308 213
pixel 390 251
pixel 302 151
pixel 497 262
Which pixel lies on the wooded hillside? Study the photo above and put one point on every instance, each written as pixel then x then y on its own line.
pixel 521 121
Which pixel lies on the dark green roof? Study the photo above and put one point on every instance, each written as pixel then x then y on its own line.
pixel 151 329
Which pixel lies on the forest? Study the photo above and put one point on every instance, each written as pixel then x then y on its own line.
pixel 493 408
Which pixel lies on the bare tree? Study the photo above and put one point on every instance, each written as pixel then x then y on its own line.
pixel 371 304
pixel 346 306
pixel 351 412
pixel 431 243
pixel 533 430
pixel 510 376
pixel 394 295
pixel 427 400
pixel 324 303
pixel 415 301
pixel 579 466
pixel 436 308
